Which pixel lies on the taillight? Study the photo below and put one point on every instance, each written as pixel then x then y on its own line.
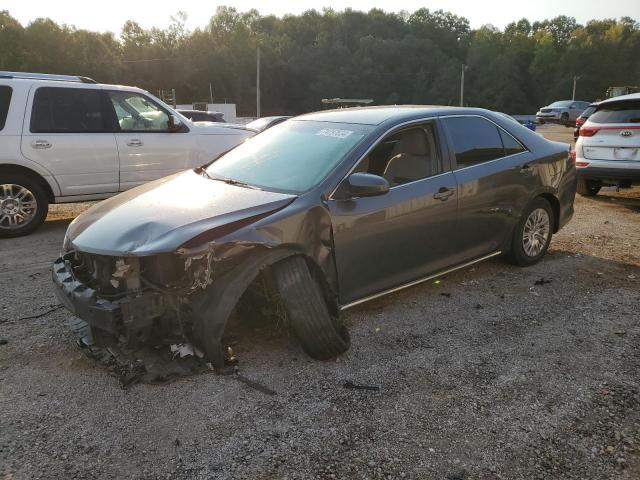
pixel 580 121
pixel 582 164
pixel 572 157
pixel 588 131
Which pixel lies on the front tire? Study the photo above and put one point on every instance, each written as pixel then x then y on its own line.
pixel 23 205
pixel 588 188
pixel 321 335
pixel 532 234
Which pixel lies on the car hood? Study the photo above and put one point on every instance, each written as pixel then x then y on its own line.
pixel 160 216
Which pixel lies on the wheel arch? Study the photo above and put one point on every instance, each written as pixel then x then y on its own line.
pixel 555 207
pixel 22 170
pixel 212 308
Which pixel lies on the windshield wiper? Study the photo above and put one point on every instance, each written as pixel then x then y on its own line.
pixel 228 181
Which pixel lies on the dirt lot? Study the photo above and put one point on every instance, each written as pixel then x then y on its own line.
pixel 495 372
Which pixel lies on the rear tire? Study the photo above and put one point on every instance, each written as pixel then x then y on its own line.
pixel 321 335
pixel 588 188
pixel 531 238
pixel 23 205
pixel 564 119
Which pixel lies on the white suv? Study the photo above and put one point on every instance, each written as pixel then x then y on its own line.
pixel 608 148
pixel 68 139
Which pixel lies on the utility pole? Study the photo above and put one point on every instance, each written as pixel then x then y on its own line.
pixel 575 80
pixel 211 92
pixel 258 83
pixel 464 67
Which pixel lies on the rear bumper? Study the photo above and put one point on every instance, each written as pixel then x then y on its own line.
pixel 608 173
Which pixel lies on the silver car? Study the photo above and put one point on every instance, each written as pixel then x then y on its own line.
pixel 564 112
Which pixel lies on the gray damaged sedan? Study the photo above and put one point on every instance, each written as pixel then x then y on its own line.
pixel 322 212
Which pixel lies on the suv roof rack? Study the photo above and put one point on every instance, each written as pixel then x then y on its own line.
pixel 46 76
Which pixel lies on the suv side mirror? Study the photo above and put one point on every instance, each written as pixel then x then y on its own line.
pixel 366 185
pixel 174 124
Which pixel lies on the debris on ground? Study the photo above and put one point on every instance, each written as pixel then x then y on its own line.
pixel 145 364
pixel 541 281
pixel 3 341
pixel 253 384
pixel 352 386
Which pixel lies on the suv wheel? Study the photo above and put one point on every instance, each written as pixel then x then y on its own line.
pixel 532 234
pixel 23 205
pixel 588 188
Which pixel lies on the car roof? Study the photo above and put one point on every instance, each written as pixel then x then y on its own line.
pixel 381 114
pixel 631 96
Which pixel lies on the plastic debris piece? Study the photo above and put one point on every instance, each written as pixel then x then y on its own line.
pixel 352 386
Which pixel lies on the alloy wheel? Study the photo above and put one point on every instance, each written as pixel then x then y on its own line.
pixel 18 206
pixel 536 232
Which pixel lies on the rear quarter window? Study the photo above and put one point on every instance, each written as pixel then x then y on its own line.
pixel 627 111
pixel 5 100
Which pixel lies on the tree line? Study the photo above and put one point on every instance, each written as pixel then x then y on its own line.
pixel 393 58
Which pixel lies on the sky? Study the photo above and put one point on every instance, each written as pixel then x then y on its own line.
pixel 111 15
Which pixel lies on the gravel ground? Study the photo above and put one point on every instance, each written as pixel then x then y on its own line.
pixel 495 372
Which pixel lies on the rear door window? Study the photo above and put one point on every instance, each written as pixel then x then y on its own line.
pixel 5 100
pixel 69 110
pixel 627 111
pixel 474 140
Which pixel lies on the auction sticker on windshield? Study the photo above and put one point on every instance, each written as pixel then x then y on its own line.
pixel 334 132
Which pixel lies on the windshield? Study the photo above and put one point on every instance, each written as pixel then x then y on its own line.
pixel 292 157
pixel 617 112
pixel 564 103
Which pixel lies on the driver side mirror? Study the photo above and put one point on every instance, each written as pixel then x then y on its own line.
pixel 174 124
pixel 366 185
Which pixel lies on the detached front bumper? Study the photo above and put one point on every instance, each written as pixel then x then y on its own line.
pixel 83 301
pixel 115 319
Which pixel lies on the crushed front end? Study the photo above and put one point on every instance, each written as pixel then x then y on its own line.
pixel 130 301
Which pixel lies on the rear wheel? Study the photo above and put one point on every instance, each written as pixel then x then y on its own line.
pixel 564 119
pixel 532 234
pixel 588 188
pixel 322 335
pixel 23 205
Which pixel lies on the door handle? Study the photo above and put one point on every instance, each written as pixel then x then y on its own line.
pixel 41 144
pixel 443 194
pixel 526 169
pixel 134 142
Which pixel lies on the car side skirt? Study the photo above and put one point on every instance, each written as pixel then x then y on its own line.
pixel 419 281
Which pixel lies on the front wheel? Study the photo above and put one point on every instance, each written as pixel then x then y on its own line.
pixel 588 188
pixel 23 205
pixel 532 234
pixel 321 334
